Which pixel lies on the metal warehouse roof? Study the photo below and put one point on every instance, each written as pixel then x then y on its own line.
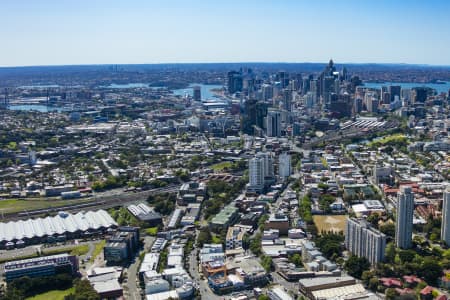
pixel 57 225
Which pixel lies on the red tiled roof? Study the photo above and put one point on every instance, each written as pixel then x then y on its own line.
pixel 404 291
pixel 391 282
pixel 426 290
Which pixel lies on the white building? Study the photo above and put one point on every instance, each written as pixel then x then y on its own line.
pixel 364 241
pixel 256 174
pixel 404 223
pixel 445 229
pixel 284 165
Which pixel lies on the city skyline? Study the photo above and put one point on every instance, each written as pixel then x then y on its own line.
pixel 141 32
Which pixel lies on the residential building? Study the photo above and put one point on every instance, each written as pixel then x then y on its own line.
pixel 404 223
pixel 226 217
pixel 445 226
pixel 278 221
pixel 234 237
pixel 364 241
pixel 284 165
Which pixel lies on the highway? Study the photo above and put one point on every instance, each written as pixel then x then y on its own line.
pixel 99 201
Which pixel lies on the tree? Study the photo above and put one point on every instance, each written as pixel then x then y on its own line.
pixel 296 259
pixel 388 229
pixel 204 237
pixel 406 255
pixel 355 266
pixel 391 294
pixel 390 252
pixel 430 270
pixel 83 291
pixel 255 244
pixel 266 262
pixel 263 297
pixel 373 219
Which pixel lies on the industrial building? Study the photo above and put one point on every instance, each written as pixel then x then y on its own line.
pixel 60 227
pixel 145 214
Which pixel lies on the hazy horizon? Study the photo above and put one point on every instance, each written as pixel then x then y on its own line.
pixel 98 32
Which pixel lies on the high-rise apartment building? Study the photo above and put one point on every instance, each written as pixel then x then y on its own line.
pixel 445 226
pixel 256 174
pixel 261 173
pixel 364 241
pixel 404 223
pixel 284 165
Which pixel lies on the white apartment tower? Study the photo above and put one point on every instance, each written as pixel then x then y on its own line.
pixel 445 229
pixel 284 165
pixel 364 241
pixel 256 174
pixel 404 223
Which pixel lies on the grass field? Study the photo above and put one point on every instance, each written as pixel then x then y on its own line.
pixel 98 249
pixel 18 205
pixel 221 166
pixel 75 250
pixel 151 231
pixel 53 295
pixel 334 223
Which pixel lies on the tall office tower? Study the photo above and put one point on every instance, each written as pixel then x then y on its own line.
pixel 284 165
pixel 372 105
pixel 445 225
pixel 305 85
pixel 394 90
pixel 313 87
pixel 235 82
pixel 256 174
pixel 337 86
pixel 287 100
pixel 267 92
pixel 328 88
pixel 364 241
pixel 404 223
pixel 248 118
pixel 273 123
pixel 420 95
pixel 197 93
pixel 261 114
pixel 406 94
pixel 310 100
pixel 283 78
pixel 357 105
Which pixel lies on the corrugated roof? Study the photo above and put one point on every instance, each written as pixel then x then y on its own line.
pixel 59 224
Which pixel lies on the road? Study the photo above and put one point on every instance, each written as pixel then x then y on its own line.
pixel 132 290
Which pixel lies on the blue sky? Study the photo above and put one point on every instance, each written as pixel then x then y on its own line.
pixel 45 32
